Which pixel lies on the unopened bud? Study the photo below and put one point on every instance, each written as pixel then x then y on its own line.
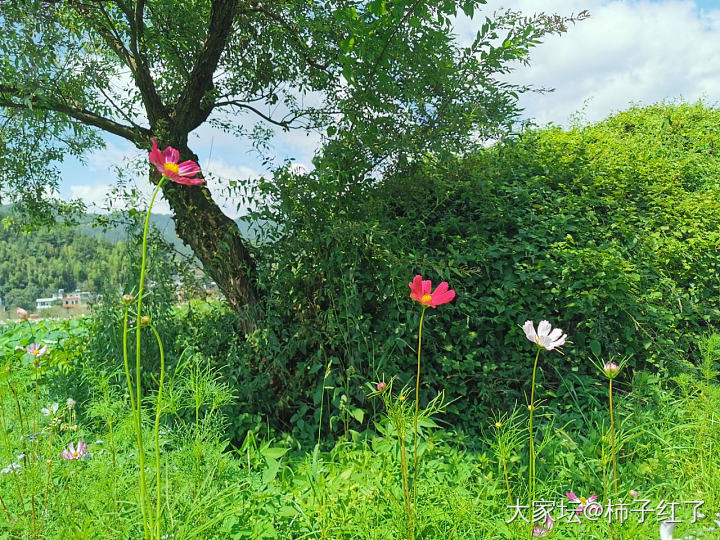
pixel 381 386
pixel 127 298
pixel 22 314
pixel 611 369
pixel 145 319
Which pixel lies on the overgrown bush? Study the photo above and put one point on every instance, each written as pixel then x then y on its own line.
pixel 610 230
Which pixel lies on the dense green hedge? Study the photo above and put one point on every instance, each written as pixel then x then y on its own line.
pixel 609 231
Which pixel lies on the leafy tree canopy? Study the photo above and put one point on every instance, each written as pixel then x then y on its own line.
pixel 382 80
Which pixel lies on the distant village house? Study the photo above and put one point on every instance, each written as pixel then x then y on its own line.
pixel 72 300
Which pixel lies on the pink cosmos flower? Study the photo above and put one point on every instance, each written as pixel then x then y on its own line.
pixel 35 349
pixel 75 453
pixel 167 163
pixel 581 501
pixel 544 337
pixel 22 314
pixel 420 291
pixel 541 530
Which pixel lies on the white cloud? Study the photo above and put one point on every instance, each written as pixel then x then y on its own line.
pixel 625 53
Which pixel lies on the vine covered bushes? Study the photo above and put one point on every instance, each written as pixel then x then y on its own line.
pixel 609 229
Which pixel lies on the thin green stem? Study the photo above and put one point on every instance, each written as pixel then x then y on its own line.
pixel 403 462
pixel 507 482
pixel 158 411
pixel 417 407
pixel 612 439
pixel 138 386
pixel 531 464
pixel 138 426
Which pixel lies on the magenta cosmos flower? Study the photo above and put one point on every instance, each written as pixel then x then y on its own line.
pixel 541 530
pixel 166 163
pixel 544 337
pixel 75 453
pixel 581 501
pixel 35 349
pixel 420 291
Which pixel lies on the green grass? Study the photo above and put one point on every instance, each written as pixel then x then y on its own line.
pixel 270 487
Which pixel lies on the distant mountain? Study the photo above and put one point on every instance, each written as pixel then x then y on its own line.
pixel 162 222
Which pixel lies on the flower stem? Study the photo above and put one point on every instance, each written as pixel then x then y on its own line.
pixel 612 439
pixel 417 405
pixel 158 411
pixel 138 387
pixel 531 464
pixel 403 462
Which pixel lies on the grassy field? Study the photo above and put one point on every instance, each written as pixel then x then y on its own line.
pixel 270 487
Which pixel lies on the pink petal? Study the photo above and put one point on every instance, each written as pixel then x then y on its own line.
pixel 571 495
pixel 426 287
pixel 592 498
pixel 155 155
pixel 171 155
pixel 66 455
pixel 186 181
pixel 442 295
pixel 188 168
pixel 416 288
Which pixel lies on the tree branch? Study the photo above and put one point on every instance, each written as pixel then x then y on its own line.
pixel 135 134
pixel 281 123
pixel 189 112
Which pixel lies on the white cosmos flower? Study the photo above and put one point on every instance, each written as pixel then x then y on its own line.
pixel 545 337
pixel 51 410
pixel 666 530
pixel 10 468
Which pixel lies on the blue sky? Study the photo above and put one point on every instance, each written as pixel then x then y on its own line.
pixel 639 51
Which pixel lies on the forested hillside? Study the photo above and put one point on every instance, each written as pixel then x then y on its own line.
pixel 37 264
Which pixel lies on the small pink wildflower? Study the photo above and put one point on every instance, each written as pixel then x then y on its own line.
pixel 75 453
pixel 541 530
pixel 35 349
pixel 420 291
pixel 581 501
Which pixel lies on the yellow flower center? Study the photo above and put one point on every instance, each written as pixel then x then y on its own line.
pixel 75 454
pixel 583 500
pixel 36 351
pixel 426 299
pixel 172 167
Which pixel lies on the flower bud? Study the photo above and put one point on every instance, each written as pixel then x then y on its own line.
pixel 381 386
pixel 22 314
pixel 611 369
pixel 633 493
pixel 127 298
pixel 145 319
pixel 498 424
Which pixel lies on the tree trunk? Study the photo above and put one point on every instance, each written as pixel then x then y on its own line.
pixel 214 239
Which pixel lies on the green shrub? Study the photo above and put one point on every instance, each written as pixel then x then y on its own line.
pixel 607 230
